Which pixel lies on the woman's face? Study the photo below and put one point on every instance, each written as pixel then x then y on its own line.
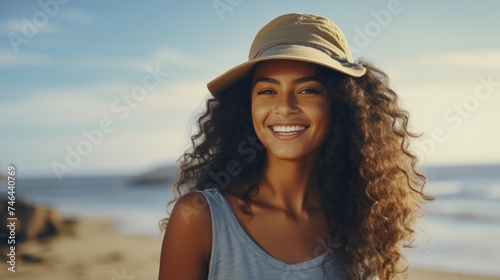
pixel 290 108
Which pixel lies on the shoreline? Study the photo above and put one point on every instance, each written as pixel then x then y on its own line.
pixel 97 250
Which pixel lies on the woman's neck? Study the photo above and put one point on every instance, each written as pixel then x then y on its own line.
pixel 291 185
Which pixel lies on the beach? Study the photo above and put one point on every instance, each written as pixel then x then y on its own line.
pixel 97 250
pixel 94 251
pixel 427 274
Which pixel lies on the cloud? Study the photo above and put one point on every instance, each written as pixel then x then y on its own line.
pixel 164 57
pixel 152 144
pixel 480 59
pixel 171 57
pixel 456 94
pixel 65 107
pixel 24 25
pixel 455 68
pixel 60 107
pixel 10 59
pixel 43 21
pixel 179 94
pixel 97 61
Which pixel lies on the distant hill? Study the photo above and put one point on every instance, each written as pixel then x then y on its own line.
pixel 164 174
pixel 170 173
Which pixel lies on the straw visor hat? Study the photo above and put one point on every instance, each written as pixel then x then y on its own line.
pixel 302 37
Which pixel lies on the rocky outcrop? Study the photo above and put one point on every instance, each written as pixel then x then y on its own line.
pixel 33 222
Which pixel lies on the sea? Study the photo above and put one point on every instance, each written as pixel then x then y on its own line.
pixel 459 230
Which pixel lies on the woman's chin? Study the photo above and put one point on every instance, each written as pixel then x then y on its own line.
pixel 290 154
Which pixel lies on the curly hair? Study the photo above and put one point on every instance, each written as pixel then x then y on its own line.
pixel 371 189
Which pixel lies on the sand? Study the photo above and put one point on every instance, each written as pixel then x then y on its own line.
pixel 427 274
pixel 97 251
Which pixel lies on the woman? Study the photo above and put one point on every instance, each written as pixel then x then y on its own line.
pixel 300 168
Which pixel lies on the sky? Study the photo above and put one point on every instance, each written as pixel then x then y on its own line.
pixel 114 87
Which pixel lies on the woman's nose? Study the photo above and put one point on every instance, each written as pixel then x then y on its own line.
pixel 286 103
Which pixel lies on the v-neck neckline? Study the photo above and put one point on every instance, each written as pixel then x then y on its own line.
pixel 258 250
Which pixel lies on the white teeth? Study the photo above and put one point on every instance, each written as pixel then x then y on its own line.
pixel 288 129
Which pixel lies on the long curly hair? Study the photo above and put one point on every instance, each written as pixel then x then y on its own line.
pixel 371 189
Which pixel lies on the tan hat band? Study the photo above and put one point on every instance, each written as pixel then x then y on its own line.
pixel 342 60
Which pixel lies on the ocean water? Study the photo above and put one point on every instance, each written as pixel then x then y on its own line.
pixel 137 208
pixel 460 230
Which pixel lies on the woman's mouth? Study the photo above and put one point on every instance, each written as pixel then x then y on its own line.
pixel 287 130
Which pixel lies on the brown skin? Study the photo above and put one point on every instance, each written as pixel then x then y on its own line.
pixel 287 209
pixel 273 228
pixel 184 254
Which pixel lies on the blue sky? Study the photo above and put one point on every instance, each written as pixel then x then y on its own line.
pixel 132 75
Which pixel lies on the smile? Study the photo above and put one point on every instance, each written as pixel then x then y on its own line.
pixel 287 130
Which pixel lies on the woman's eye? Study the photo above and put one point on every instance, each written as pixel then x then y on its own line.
pixel 309 91
pixel 265 91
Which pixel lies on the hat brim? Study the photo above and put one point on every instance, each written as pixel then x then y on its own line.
pixel 288 52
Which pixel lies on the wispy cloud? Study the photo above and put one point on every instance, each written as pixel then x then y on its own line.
pixel 164 57
pixel 479 59
pixel 61 106
pixel 51 24
pixel 52 107
pixel 172 57
pixel 9 59
pixel 99 61
pixel 22 25
pixel 179 94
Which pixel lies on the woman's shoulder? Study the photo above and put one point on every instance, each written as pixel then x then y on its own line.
pixel 188 236
pixel 193 207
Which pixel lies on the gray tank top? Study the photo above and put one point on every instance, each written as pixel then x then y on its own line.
pixel 236 256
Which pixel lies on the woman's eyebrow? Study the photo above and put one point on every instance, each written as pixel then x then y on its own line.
pixel 296 81
pixel 267 80
pixel 307 79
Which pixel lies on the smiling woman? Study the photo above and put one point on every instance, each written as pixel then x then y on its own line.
pixel 330 191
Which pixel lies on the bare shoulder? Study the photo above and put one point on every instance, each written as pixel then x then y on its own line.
pixel 192 208
pixel 187 242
